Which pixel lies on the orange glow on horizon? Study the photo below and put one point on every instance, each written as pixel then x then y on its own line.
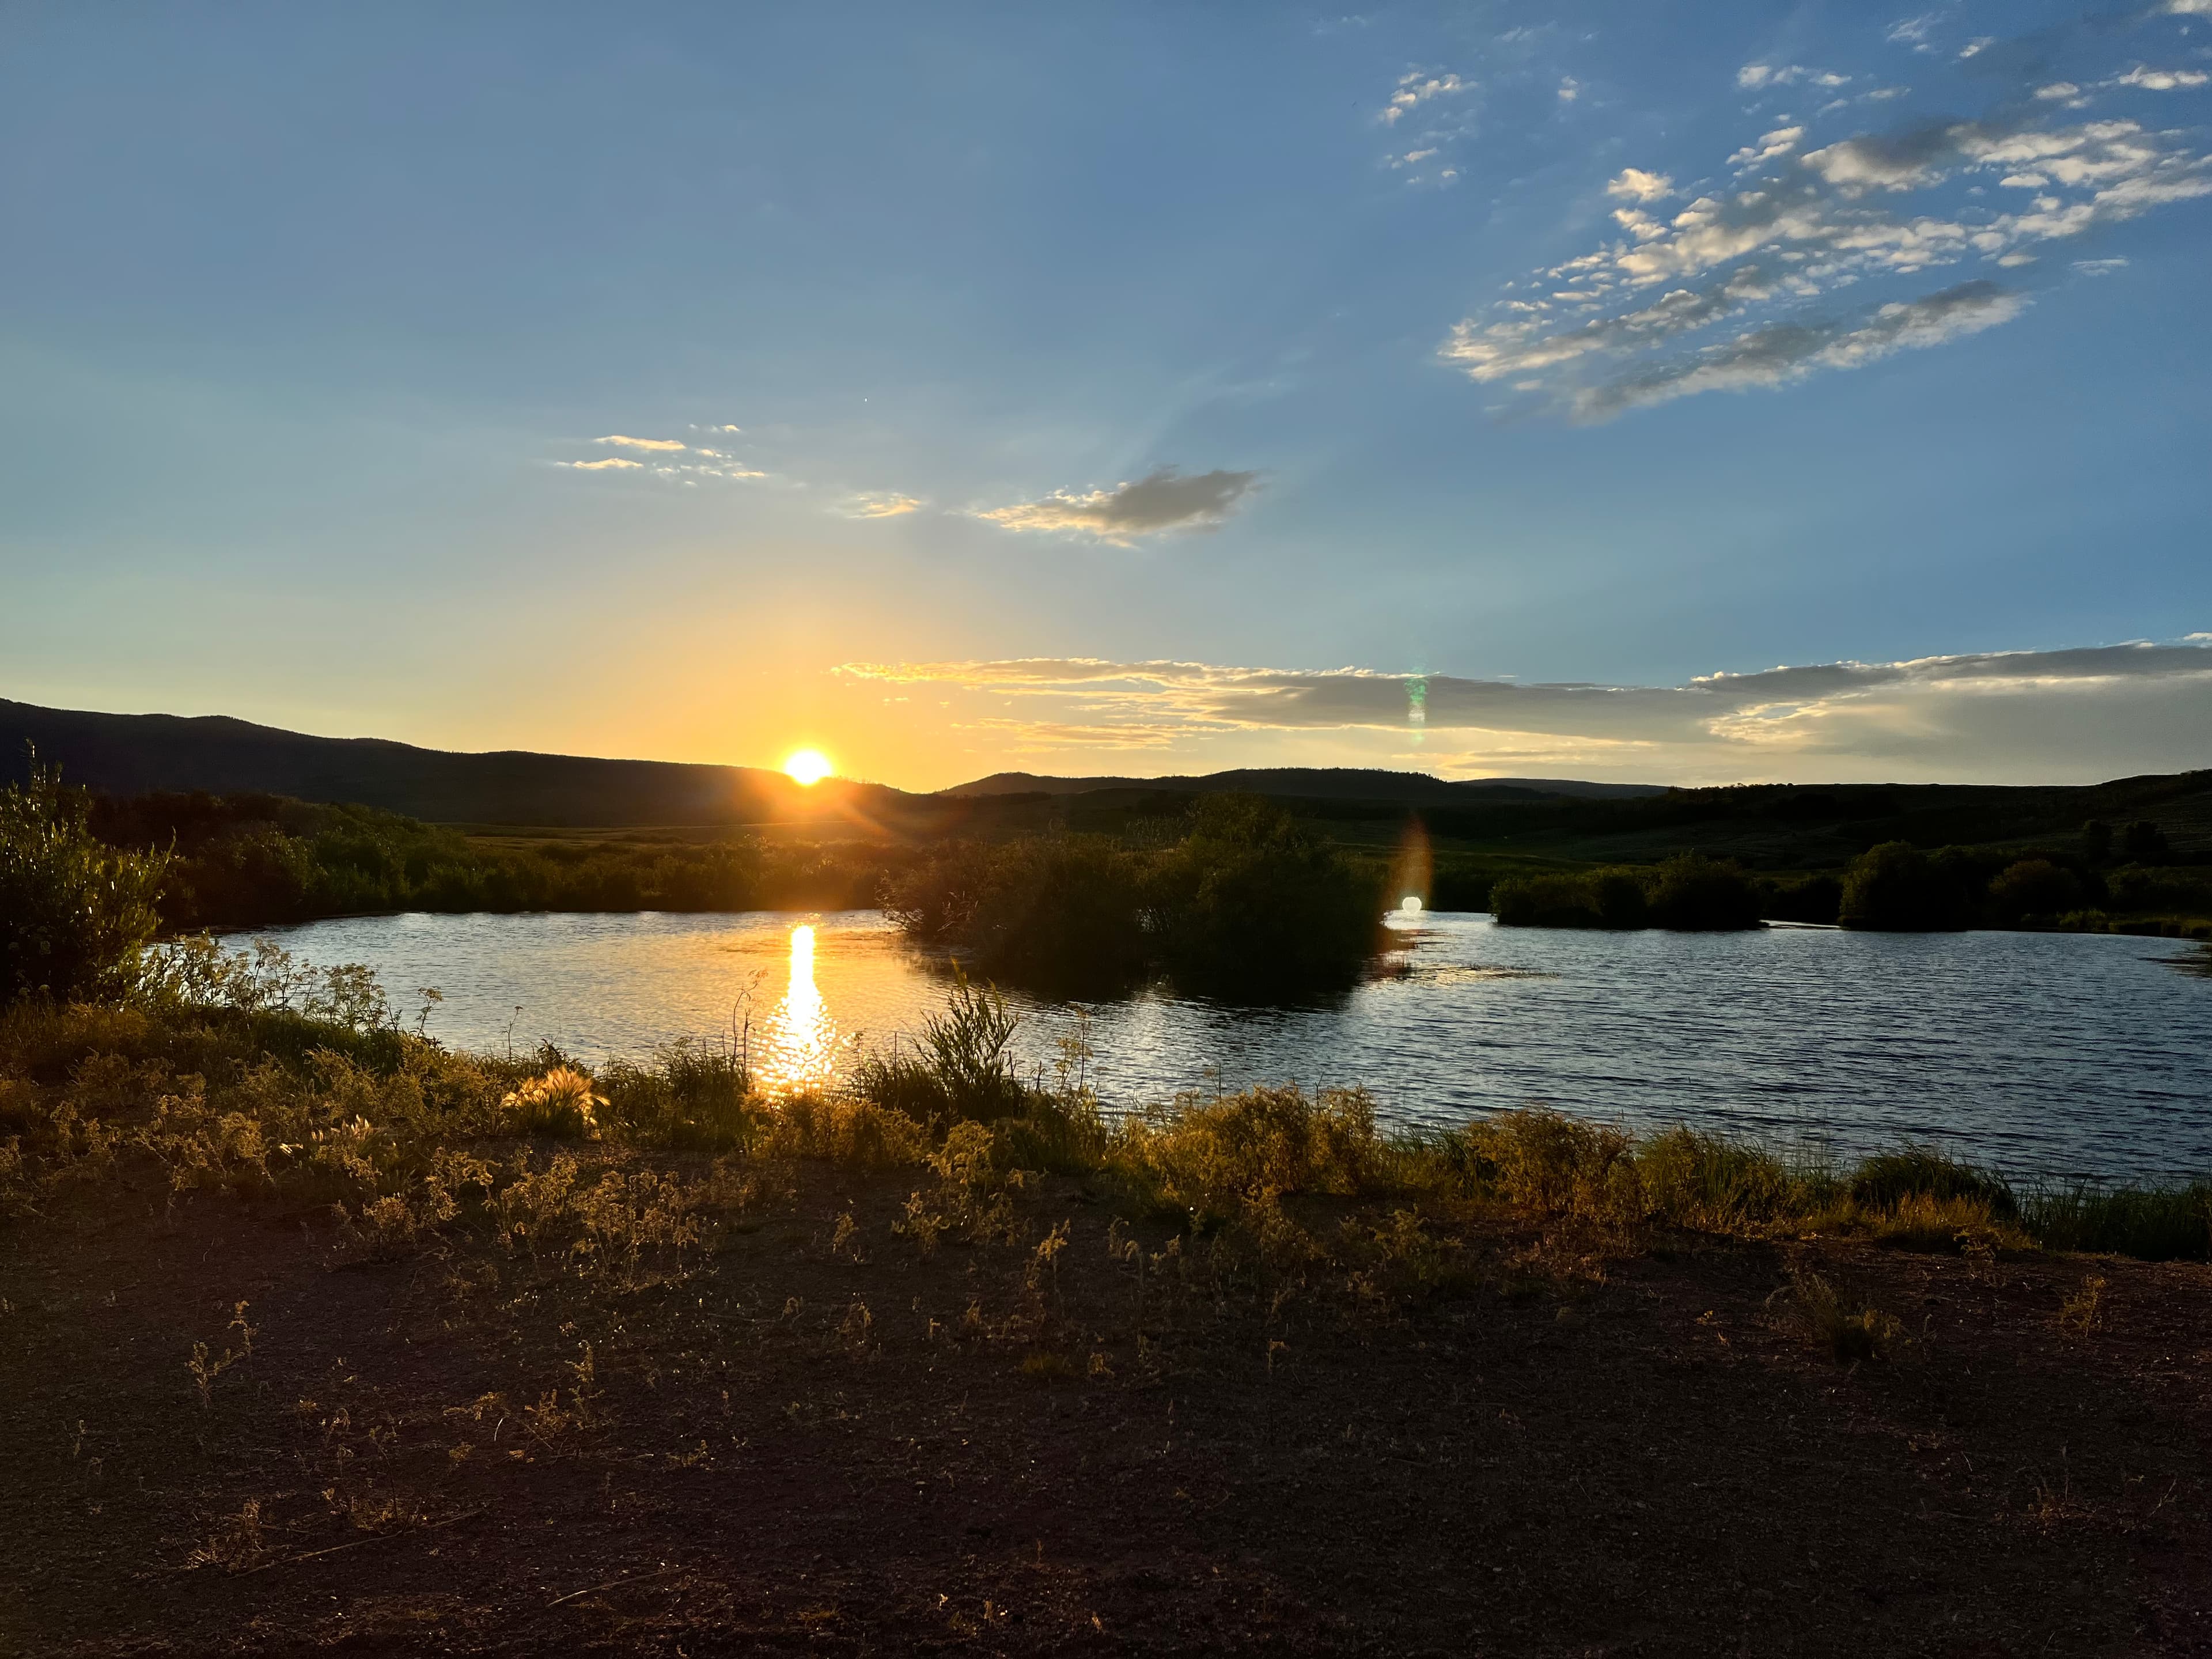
pixel 808 766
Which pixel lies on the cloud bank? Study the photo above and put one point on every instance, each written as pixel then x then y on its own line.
pixel 1812 255
pixel 1165 500
pixel 2062 715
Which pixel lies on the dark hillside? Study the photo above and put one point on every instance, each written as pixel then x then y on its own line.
pixel 139 753
pixel 1316 782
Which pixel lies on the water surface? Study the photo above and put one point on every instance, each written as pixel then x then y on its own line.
pixel 2041 1054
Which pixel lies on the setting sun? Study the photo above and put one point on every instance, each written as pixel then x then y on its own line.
pixel 809 766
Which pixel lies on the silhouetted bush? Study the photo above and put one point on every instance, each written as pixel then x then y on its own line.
pixel 1689 892
pixel 2032 887
pixel 75 913
pixel 1250 902
pixel 1896 888
pixel 1246 902
pixel 1547 901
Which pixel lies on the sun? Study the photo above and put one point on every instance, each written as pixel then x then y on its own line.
pixel 809 766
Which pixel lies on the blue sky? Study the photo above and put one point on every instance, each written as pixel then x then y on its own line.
pixel 1128 388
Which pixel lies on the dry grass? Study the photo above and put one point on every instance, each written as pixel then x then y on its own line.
pixel 1827 1322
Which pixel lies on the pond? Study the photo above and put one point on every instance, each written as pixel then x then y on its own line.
pixel 2038 1054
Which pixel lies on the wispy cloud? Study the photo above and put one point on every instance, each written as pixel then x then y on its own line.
pixel 697 464
pixel 882 504
pixel 2070 713
pixel 1164 500
pixel 1418 89
pixel 1754 77
pixel 1769 255
pixel 641 443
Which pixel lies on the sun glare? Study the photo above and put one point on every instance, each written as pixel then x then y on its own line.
pixel 809 766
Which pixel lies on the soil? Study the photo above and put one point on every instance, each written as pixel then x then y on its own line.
pixel 1569 1454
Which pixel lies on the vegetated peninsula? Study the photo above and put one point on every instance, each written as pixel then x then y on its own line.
pixel 321 1333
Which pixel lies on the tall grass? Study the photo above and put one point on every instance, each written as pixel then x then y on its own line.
pixel 227 1087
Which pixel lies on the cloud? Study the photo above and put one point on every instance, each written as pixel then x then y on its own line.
pixel 2084 714
pixel 2151 79
pixel 1570 89
pixel 1635 185
pixel 614 462
pixel 882 504
pixel 2099 267
pixel 640 443
pixel 1163 500
pixel 1780 142
pixel 1416 89
pixel 1755 77
pixel 1776 356
pixel 1761 264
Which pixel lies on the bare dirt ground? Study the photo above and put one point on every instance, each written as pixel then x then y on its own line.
pixel 819 1440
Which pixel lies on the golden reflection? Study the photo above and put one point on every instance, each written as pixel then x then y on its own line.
pixel 801 1050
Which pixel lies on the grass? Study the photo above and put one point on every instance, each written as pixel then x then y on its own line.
pixel 343 1109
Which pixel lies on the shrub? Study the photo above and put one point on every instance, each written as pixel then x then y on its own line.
pixel 560 1103
pixel 1245 904
pixel 1688 893
pixel 1212 1158
pixel 1547 901
pixel 1691 892
pixel 1249 903
pixel 1894 888
pixel 960 1068
pixel 2032 887
pixel 76 914
pixel 1061 912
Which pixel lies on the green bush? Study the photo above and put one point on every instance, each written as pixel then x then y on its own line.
pixel 1244 904
pixel 76 914
pixel 1251 903
pixel 2032 887
pixel 1687 893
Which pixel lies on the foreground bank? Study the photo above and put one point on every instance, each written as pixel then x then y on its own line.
pixel 318 1334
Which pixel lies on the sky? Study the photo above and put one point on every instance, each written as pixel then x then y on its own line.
pixel 1682 392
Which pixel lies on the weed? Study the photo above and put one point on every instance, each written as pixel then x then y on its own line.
pixel 1824 1322
pixel 205 1367
pixel 2083 1312
pixel 237 1543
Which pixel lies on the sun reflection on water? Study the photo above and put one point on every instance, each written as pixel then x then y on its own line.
pixel 801 1050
